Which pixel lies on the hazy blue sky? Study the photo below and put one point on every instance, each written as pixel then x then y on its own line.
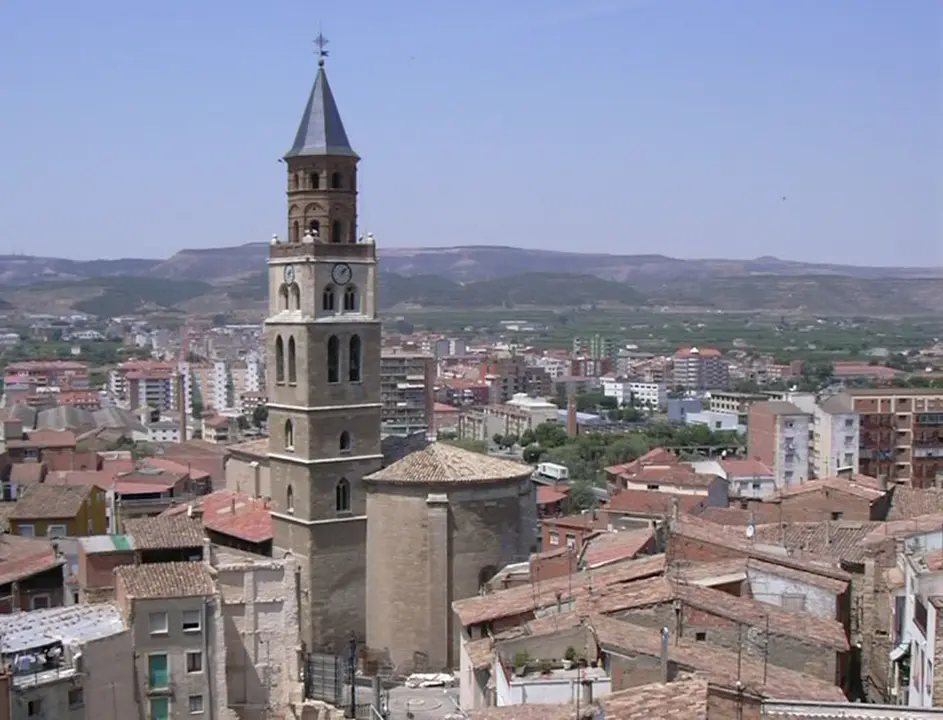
pixel 633 126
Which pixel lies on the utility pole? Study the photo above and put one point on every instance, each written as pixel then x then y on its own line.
pixel 352 711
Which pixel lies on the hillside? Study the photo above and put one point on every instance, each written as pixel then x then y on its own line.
pixel 233 280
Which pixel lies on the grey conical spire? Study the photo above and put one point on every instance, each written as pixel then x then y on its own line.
pixel 321 131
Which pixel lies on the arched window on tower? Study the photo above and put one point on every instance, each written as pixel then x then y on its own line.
pixel 315 181
pixel 289 435
pixel 283 297
pixel 345 442
pixel 354 358
pixel 337 181
pixel 350 298
pixel 342 496
pixel 279 360
pixel 290 499
pixel 327 299
pixel 292 367
pixel 337 232
pixel 295 230
pixel 294 181
pixel 315 226
pixel 295 297
pixel 333 359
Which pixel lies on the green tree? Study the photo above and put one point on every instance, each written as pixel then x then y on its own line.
pixel 581 496
pixel 260 415
pixel 528 437
pixel 532 453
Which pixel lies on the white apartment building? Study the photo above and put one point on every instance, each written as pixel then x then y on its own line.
pixel 700 369
pixel 835 441
pixel 221 386
pixel 778 435
pixel 255 373
pixel 520 413
pixel 653 394
pixel 554 366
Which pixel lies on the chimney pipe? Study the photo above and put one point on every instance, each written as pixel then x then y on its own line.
pixel 675 510
pixel 664 654
pixel 572 428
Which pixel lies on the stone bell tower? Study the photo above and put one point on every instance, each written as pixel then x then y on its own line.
pixel 322 339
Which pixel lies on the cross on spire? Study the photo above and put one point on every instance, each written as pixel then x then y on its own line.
pixel 321 43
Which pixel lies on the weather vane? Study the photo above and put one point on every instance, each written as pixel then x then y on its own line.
pixel 321 43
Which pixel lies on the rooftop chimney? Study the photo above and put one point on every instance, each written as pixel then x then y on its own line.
pixel 675 509
pixel 664 654
pixel 571 426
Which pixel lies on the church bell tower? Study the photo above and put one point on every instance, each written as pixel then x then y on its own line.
pixel 322 339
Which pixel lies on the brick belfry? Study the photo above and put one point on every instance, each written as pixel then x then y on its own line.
pixel 322 339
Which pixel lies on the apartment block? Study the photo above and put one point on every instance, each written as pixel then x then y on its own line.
pixel 778 436
pixel 901 434
pixel 596 347
pixel 836 437
pixel 700 369
pixel 735 402
pixel 144 383
pixel 47 373
pixel 68 663
pixel 627 392
pixel 512 418
pixel 511 376
pixel 173 613
pixel 407 383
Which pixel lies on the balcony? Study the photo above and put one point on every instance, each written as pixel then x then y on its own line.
pixel 324 251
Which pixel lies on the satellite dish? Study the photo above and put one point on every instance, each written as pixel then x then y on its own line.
pixel 751 531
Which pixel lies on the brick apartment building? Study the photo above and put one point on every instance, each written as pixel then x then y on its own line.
pixel 700 369
pixel 901 433
pixel 778 436
pixel 510 376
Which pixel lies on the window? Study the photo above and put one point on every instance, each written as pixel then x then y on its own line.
pixel 158 675
pixel 195 661
pixel 158 623
pixel 315 227
pixel 756 486
pixel 294 181
pixel 289 435
pixel 342 496
pixel 55 531
pixel 788 474
pixel 294 232
pixel 653 487
pixel 160 708
pixel 315 181
pixel 837 515
pixel 39 602
pixel 34 708
pixel 279 360
pixel 337 231
pixel 327 299
pixel 354 359
pixel 700 636
pixel 350 299
pixel 849 459
pixel 283 297
pixel 76 698
pixel 191 621
pixel 554 538
pixel 290 499
pixel 295 297
pixel 292 365
pixel 26 530
pixel 337 181
pixel 345 442
pixel 196 704
pixel 794 603
pixel 570 541
pixel 849 422
pixel 333 359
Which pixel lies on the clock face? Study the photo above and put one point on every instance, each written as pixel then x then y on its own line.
pixel 289 274
pixel 341 273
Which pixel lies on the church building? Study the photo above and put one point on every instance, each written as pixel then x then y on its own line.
pixel 322 340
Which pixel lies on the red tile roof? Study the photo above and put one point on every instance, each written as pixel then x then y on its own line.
pixel 232 513
pixel 547 495
pixel 51 438
pixel 748 467
pixel 610 547
pixel 652 502
pixel 22 557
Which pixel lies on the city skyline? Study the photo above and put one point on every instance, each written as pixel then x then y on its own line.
pixel 822 120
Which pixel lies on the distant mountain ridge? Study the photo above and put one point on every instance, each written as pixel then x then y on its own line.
pixel 466 263
pixel 234 280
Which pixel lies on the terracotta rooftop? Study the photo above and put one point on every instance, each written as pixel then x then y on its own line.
pixel 232 513
pixel 50 502
pixel 256 448
pixel 97 478
pixel 652 502
pixel 834 484
pixel 547 495
pixel 51 438
pixel 910 502
pixel 903 528
pixel 684 699
pixel 525 599
pixel 737 467
pixel 441 463
pixel 840 539
pixel 165 580
pixel 22 557
pixel 718 665
pixel 656 456
pixel 610 547
pixel 30 473
pixel 164 532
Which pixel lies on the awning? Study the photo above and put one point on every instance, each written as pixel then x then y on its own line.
pixel 903 648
